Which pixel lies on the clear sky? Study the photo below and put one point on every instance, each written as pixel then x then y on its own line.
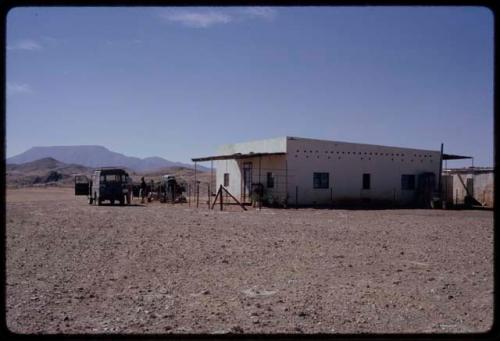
pixel 178 82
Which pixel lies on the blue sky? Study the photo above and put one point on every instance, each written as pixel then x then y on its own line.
pixel 178 82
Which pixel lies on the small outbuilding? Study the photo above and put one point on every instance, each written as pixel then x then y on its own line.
pixel 303 171
pixel 474 182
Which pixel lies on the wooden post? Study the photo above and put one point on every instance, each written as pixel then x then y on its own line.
pixel 239 203
pixel 195 182
pixel 211 174
pixel 440 189
pixel 219 192
pixel 221 199
pixel 173 193
pixel 286 183
pixel 260 160
pixel 197 194
pixel 189 195
pixel 208 202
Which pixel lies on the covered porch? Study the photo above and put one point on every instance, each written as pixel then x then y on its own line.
pixel 245 173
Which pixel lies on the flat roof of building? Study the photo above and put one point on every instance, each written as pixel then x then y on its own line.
pixel 248 155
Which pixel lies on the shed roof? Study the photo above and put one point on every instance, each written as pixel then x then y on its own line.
pixel 455 157
pixel 233 156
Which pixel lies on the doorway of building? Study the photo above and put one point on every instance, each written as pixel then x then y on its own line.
pixel 247 182
pixel 470 186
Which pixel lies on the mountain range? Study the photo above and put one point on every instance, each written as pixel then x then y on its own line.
pixel 51 172
pixel 94 157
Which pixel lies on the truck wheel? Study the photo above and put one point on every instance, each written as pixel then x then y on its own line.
pixel 112 201
pixel 91 200
pixel 99 201
pixel 122 201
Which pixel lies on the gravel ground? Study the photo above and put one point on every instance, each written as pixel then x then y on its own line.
pixel 75 268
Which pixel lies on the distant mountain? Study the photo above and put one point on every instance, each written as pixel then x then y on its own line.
pixel 94 157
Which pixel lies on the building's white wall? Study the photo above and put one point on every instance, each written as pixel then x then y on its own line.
pixel 235 167
pixel 274 164
pixel 346 163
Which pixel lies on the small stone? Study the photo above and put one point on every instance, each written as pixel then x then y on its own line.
pixel 236 329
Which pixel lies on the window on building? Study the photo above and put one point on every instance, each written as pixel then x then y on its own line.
pixel 270 180
pixel 366 181
pixel 226 179
pixel 321 180
pixel 408 181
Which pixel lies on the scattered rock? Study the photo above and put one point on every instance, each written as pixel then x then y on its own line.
pixel 236 330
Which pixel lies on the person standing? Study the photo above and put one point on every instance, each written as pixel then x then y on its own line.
pixel 143 190
pixel 151 190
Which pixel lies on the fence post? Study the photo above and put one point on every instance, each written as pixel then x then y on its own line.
pixel 221 199
pixel 197 194
pixel 189 195
pixel 208 196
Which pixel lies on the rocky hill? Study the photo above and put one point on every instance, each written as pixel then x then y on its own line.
pixel 51 172
pixel 42 172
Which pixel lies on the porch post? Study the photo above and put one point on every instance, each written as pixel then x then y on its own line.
pixel 211 173
pixel 440 172
pixel 260 159
pixel 195 183
pixel 286 180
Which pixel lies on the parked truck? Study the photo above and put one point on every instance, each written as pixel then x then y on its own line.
pixel 105 184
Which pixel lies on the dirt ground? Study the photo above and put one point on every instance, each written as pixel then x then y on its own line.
pixel 75 268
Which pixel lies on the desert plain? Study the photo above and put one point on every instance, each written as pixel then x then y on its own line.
pixel 162 268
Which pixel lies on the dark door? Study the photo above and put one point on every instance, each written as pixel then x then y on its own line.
pixel 81 185
pixel 470 186
pixel 247 181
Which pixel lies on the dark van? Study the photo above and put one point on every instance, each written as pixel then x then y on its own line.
pixel 112 184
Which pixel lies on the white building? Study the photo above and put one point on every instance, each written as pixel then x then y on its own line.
pixel 303 171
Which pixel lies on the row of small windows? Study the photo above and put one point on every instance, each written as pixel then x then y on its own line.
pixel 322 180
pixel 365 158
pixel 367 153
